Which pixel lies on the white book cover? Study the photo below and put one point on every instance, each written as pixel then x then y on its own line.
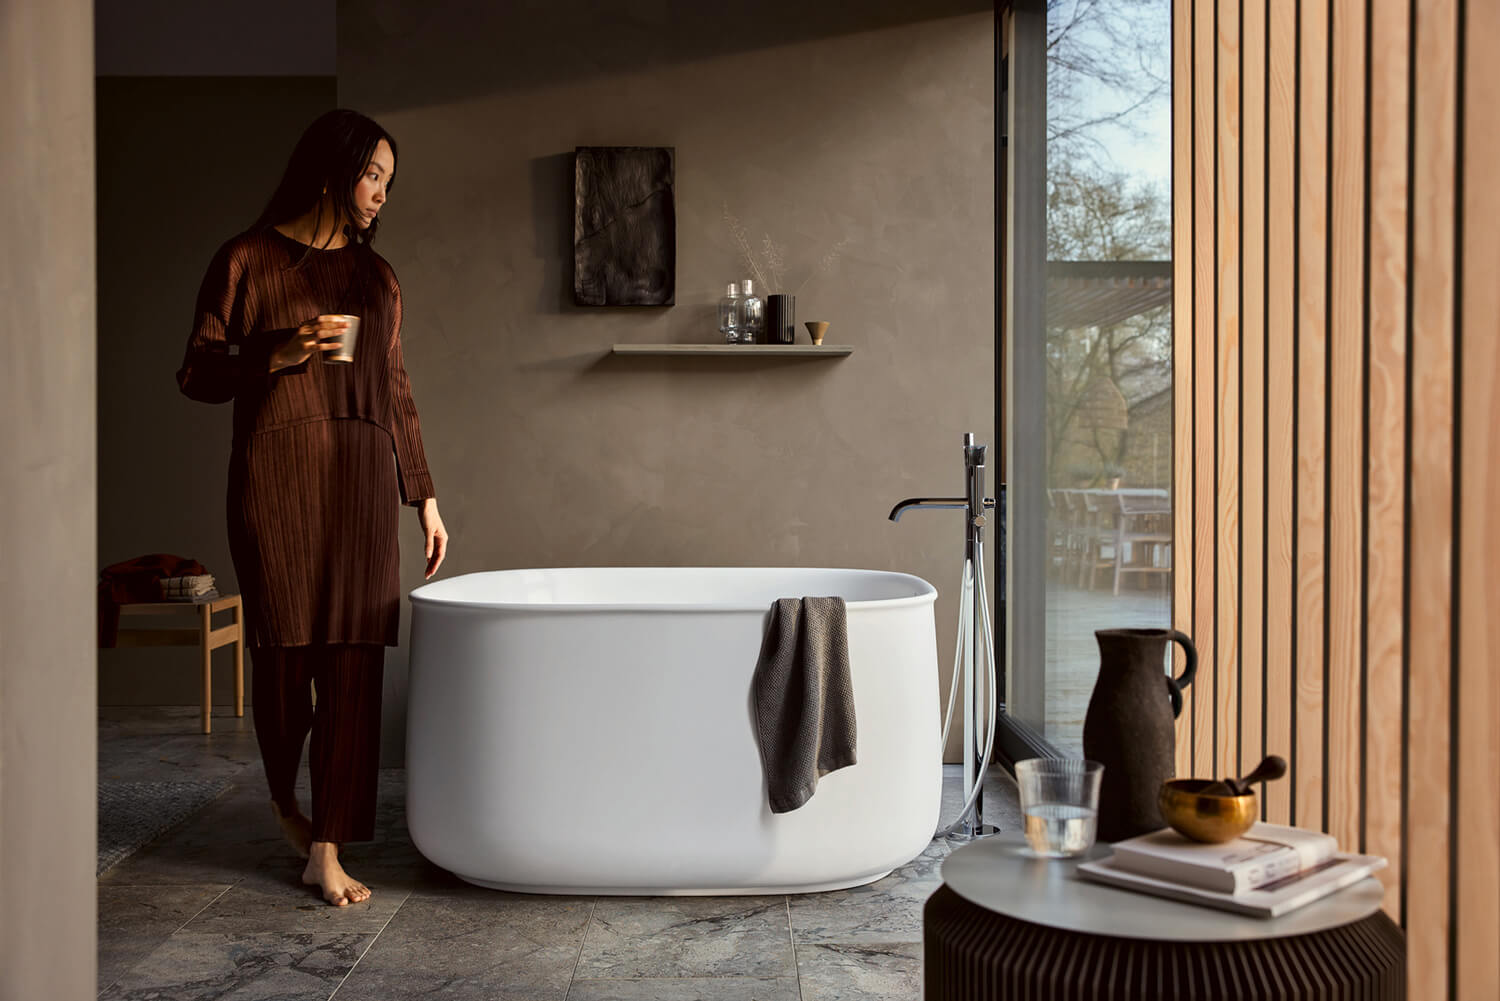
pixel 1269 901
pixel 1262 855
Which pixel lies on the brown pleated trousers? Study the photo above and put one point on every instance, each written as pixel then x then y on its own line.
pixel 345 755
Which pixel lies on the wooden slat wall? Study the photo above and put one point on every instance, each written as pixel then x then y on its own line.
pixel 1344 575
pixel 1226 388
pixel 1281 264
pixel 1252 493
pixel 1200 260
pixel 1337 240
pixel 1309 523
pixel 1476 821
pixel 1385 557
pixel 1183 234
pixel 1430 474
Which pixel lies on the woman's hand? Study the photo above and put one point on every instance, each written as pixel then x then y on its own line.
pixel 307 340
pixel 437 535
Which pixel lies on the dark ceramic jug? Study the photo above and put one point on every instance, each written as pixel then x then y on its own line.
pixel 1129 726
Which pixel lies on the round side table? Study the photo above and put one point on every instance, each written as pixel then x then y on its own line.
pixel 1006 925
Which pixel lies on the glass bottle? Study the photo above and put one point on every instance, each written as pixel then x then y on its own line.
pixel 731 316
pixel 753 311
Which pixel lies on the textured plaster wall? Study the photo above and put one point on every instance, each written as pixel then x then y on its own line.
pixel 810 123
pixel 47 736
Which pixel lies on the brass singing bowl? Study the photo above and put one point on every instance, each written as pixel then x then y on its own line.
pixel 1205 817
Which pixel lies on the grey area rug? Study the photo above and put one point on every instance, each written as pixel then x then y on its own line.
pixel 132 813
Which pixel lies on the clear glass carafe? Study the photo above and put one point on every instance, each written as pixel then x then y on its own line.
pixel 753 314
pixel 731 316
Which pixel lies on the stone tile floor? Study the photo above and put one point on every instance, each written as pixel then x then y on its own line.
pixel 215 909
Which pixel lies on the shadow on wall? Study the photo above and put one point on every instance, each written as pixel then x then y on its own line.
pixel 453 50
pixel 552 179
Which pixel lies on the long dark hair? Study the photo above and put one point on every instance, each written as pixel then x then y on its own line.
pixel 332 154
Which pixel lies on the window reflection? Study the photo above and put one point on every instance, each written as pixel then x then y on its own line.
pixel 1108 339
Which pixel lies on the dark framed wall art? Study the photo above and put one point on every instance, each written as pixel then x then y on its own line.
pixel 624 226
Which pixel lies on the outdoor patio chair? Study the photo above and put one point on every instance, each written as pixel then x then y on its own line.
pixel 1144 529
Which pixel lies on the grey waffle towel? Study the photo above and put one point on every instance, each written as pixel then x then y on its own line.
pixel 803 699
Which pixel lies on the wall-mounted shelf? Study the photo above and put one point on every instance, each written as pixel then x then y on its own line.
pixel 743 350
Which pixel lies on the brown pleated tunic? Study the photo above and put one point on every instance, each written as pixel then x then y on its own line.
pixel 322 452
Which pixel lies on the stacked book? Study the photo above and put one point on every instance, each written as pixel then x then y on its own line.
pixel 1266 872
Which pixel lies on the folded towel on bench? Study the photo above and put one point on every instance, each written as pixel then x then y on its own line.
pixel 135 580
pixel 191 586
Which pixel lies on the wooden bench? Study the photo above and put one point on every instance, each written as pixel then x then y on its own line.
pixel 203 635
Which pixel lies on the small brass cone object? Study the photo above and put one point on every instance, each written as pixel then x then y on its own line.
pixel 816 329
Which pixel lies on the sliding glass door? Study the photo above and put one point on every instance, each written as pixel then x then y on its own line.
pixel 1087 332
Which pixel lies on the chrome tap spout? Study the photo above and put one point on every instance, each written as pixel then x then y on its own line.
pixel 932 502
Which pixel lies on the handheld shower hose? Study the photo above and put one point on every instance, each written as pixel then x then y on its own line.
pixel 972 574
pixel 976 644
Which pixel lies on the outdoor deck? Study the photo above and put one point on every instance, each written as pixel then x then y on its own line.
pixel 1073 655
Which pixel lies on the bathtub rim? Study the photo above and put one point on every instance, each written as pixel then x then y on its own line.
pixel 927 593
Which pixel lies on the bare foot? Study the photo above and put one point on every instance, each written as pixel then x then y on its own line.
pixel 296 828
pixel 323 870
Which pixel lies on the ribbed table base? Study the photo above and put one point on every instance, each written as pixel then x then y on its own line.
pixel 973 954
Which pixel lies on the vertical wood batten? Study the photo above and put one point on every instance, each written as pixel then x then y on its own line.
pixel 1205 425
pixel 1182 357
pixel 1227 390
pixel 1431 514
pixel 1280 262
pixel 1385 567
pixel 1346 422
pixel 1252 424
pixel 1312 252
pixel 1376 361
pixel 1477 924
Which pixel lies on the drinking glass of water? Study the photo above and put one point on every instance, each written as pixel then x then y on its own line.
pixel 1060 804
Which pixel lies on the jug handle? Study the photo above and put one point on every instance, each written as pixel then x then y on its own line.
pixel 1176 685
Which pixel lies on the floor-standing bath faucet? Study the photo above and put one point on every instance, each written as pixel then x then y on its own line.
pixel 975 643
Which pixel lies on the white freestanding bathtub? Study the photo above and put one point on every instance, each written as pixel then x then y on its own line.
pixel 589 731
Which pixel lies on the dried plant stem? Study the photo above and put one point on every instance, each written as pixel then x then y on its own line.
pixel 775 262
pixel 737 233
pixel 825 264
pixel 768 265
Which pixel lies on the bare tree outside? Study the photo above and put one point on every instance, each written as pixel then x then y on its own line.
pixel 1108 89
pixel 1107 69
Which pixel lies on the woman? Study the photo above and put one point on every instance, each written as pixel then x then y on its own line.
pixel 313 488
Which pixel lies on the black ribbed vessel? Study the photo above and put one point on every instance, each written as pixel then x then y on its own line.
pixel 781 319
